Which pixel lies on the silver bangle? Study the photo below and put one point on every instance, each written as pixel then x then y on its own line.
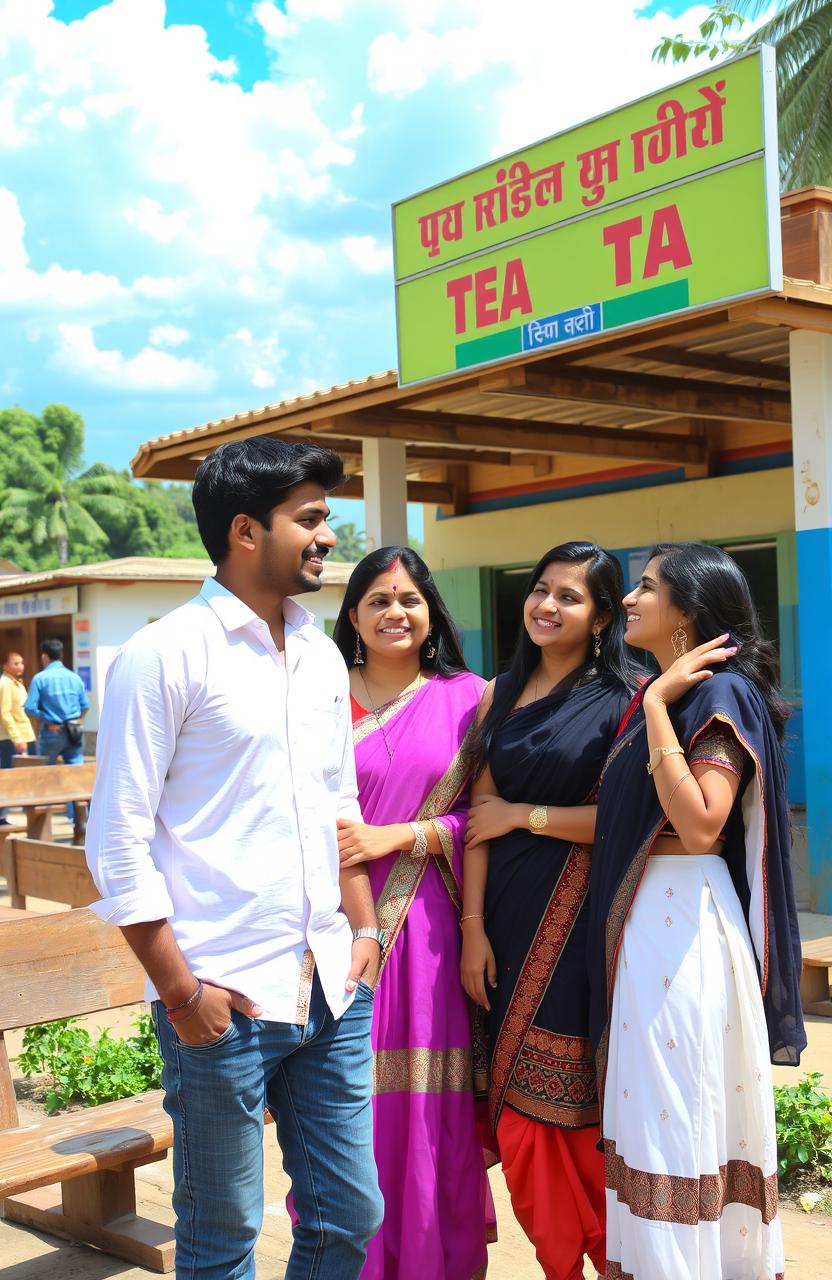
pixel 420 848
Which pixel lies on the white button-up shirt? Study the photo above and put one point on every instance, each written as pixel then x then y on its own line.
pixel 221 770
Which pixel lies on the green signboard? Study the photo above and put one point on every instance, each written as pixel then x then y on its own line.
pixel 668 205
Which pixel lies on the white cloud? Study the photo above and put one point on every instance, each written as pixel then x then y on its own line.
pixel 55 288
pixel 72 117
pixel 558 64
pixel 147 216
pixel 168 335
pixel 298 257
pixel 260 359
pixel 160 288
pixel 149 370
pixel 276 26
pixel 367 253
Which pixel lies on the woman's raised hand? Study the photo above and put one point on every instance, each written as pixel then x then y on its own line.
pixel 361 842
pixel 488 817
pixel 688 671
pixel 477 962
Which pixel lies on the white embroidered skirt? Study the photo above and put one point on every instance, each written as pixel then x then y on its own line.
pixel 691 1154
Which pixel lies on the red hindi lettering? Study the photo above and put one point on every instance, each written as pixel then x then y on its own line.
pixel 599 167
pixel 443 223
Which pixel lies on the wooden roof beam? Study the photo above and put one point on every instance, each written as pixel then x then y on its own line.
pixel 684 397
pixel 468 429
pixel 707 362
pixel 425 491
pixel 348 445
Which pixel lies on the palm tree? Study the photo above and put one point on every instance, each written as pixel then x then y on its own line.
pixel 352 542
pixel 47 507
pixel 801 31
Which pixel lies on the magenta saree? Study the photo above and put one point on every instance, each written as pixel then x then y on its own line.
pixel 438 1209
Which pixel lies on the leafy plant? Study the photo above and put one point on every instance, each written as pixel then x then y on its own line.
pixel 90 1071
pixel 803 1114
pixel 801 31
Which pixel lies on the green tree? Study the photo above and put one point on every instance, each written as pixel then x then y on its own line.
pixel 801 31
pixel 52 515
pixel 352 541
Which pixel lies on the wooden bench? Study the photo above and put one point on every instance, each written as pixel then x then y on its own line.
pixel 37 790
pixel 28 762
pixel 41 869
pixel 73 1175
pixel 814 979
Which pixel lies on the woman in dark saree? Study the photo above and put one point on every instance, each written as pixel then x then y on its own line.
pixel 545 729
pixel 693 945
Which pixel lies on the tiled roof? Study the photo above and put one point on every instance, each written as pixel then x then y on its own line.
pixel 135 569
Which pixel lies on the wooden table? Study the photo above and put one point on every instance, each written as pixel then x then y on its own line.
pixel 16 913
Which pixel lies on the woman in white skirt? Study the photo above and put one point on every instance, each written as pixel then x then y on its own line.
pixel 694 949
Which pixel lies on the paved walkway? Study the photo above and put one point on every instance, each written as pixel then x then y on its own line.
pixel 27 1255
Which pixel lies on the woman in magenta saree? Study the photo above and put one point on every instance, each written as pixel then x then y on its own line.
pixel 413 705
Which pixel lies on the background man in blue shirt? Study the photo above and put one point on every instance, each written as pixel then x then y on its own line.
pixel 56 695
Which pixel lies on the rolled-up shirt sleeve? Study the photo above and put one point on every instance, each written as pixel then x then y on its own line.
pixel 143 711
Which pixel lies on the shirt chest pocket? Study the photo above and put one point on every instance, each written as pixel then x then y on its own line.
pixel 322 737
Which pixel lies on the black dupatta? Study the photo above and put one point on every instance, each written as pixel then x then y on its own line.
pixel 756 849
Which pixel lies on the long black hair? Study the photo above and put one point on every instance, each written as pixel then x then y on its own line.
pixel 710 587
pixel 446 640
pixel 605 582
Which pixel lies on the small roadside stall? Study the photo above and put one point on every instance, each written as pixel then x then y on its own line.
pixel 623 332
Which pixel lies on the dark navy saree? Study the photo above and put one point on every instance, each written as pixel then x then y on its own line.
pixel 548 753
pixel 756 850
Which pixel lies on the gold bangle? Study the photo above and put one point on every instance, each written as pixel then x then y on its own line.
pixel 683 778
pixel 472 916
pixel 538 819
pixel 659 754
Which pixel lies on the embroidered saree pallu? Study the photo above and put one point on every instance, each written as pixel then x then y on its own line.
pixel 438 1211
pixel 695 967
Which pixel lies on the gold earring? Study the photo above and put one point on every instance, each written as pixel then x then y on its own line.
pixel 597 644
pixel 679 640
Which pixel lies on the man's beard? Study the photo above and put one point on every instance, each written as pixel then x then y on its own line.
pixel 308 579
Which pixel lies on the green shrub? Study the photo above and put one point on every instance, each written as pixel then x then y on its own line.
pixel 87 1070
pixel 803 1113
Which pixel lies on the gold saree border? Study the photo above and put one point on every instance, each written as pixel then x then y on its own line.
pixel 407 871
pixel 554 1080
pixel 669 1197
pixel 421 1071
pixel 541 961
pixel 374 720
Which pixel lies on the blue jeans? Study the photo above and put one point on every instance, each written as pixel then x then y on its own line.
pixel 316 1081
pixel 53 743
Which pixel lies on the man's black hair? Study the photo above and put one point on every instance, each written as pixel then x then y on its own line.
pixel 53 648
pixel 251 477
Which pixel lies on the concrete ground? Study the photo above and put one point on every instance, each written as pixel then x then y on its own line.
pixel 28 1255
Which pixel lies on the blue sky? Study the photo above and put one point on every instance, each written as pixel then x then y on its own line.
pixel 195 195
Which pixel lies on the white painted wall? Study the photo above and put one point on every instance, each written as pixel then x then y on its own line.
pixel 116 611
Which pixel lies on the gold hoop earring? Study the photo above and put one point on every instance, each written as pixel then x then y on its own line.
pixel 358 656
pixel 430 651
pixel 679 640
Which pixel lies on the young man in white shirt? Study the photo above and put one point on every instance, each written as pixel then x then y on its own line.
pixel 224 760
